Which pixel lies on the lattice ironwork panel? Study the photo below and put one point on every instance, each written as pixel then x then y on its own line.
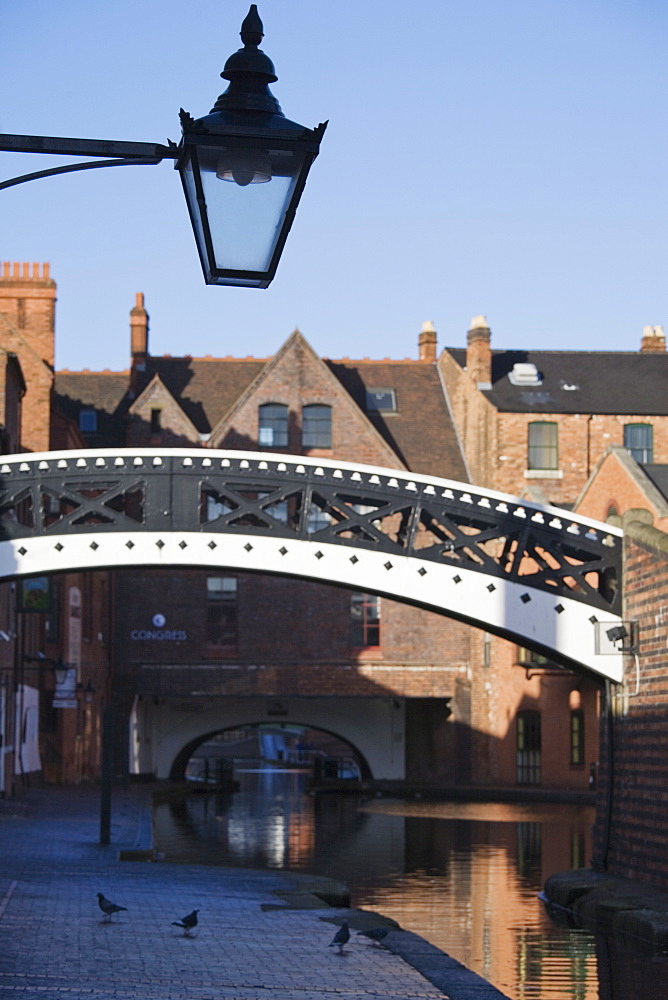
pixel 379 510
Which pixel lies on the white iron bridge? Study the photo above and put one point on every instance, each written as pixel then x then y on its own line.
pixel 540 576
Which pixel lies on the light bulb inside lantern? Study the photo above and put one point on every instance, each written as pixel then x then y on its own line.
pixel 244 166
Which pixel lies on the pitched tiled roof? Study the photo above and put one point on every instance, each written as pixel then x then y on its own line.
pixel 657 474
pixel 104 392
pixel 421 431
pixel 580 382
pixel 206 388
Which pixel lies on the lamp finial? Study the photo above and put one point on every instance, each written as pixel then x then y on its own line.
pixel 252 31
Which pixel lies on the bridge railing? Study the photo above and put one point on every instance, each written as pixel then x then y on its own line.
pixel 262 494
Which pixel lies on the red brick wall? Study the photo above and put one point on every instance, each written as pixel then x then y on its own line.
pixel 635 843
pixel 27 305
pixel 583 440
pixel 502 689
pixel 293 637
pixel 175 429
pixel 496 444
pixel 296 379
pixel 615 486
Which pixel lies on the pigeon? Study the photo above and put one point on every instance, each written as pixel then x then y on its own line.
pixel 341 937
pixel 108 907
pixel 187 922
pixel 376 933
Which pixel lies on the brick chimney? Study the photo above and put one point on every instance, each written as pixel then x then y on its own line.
pixel 653 340
pixel 427 342
pixel 138 327
pixel 28 308
pixel 479 353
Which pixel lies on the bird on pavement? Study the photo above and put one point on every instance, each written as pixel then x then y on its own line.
pixel 108 907
pixel 376 934
pixel 341 937
pixel 188 922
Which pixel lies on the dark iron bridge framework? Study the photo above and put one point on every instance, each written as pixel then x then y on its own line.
pixel 539 575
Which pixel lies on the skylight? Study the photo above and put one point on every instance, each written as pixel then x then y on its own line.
pixel 525 373
pixel 381 399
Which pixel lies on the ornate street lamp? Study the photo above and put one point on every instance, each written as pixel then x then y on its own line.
pixel 243 167
pixel 58 667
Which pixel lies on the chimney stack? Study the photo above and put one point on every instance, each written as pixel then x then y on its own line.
pixel 28 301
pixel 427 342
pixel 479 353
pixel 653 340
pixel 139 328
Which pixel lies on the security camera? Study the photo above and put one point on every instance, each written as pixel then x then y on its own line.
pixel 616 633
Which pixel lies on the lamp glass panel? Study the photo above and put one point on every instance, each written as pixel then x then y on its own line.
pixel 245 220
pixel 188 177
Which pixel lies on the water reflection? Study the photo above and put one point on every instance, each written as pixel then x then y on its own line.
pixel 465 876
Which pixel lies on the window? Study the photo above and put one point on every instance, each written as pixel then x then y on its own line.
pixel 577 736
pixel 638 438
pixel 528 748
pixel 156 421
pixel 381 399
pixel 221 614
pixel 318 519
pixel 88 421
pixel 528 658
pixel 317 426
pixel 364 620
pixel 543 445
pixel 273 425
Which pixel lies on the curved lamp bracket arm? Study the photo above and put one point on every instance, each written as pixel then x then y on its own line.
pixel 90 165
pixel 123 153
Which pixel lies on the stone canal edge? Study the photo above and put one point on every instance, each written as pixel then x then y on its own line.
pixel 51 861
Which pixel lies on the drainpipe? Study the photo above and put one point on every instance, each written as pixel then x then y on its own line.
pixel 600 863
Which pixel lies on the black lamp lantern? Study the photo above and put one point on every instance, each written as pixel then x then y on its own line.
pixel 243 168
pixel 60 671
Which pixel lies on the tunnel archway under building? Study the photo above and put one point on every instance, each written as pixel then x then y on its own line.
pixel 164 732
pixel 213 757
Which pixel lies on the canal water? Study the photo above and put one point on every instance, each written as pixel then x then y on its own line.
pixel 465 876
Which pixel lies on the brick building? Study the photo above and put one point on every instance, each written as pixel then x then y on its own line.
pixel 475 709
pixel 537 424
pixel 631 834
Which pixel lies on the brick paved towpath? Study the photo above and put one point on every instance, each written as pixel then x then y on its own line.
pixel 250 943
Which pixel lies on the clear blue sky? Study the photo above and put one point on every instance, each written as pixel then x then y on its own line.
pixel 505 157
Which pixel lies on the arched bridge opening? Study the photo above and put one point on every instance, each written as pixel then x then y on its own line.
pixel 165 733
pixel 218 758
pixel 540 576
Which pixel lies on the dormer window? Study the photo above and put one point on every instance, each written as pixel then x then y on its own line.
pixel 384 400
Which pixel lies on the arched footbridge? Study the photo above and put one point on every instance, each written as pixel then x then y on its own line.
pixel 540 576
